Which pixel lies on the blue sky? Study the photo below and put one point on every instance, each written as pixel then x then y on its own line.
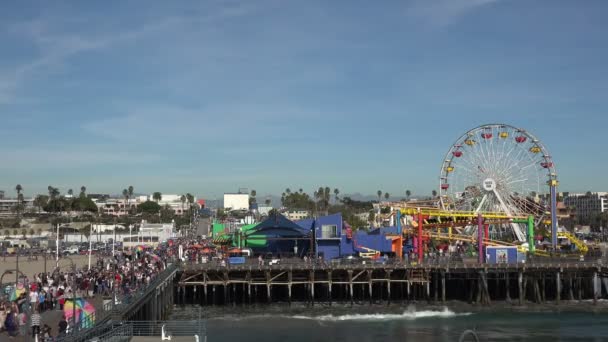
pixel 210 96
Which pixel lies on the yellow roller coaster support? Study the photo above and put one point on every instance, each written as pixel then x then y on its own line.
pixel 580 245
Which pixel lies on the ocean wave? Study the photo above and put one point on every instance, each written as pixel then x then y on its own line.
pixel 406 315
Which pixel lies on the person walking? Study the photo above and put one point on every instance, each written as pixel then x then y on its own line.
pixel 63 326
pixel 11 324
pixel 36 318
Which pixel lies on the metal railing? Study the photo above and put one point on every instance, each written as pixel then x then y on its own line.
pixel 173 328
pixel 122 303
pixel 124 331
pixel 449 261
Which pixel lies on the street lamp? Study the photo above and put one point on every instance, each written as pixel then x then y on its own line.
pixel 57 247
pixel 90 244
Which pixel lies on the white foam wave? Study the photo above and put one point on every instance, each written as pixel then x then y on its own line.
pixel 407 315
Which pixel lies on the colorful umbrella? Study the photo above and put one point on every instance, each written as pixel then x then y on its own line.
pixel 85 312
pixel 17 292
pixel 140 248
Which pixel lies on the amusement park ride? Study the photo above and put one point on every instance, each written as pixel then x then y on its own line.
pixel 491 183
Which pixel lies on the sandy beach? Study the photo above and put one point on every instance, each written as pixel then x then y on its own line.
pixel 32 266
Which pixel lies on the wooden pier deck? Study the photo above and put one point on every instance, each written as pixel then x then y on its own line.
pixel 539 282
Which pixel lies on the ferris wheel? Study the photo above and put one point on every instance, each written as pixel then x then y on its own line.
pixel 497 168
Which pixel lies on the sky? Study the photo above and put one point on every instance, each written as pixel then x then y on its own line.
pixel 211 96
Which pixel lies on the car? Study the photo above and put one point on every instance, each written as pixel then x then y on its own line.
pixel 71 250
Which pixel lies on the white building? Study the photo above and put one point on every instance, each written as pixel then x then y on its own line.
pixel 236 201
pixel 586 205
pixel 157 232
pixel 296 215
pixel 263 211
pixel 101 228
pixel 122 207
pixel 7 205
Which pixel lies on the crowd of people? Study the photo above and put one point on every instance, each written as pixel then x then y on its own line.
pixel 23 305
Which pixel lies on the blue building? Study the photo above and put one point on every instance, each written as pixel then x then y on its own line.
pixel 334 239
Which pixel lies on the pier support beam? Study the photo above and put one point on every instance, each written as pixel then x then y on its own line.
pixel 558 287
pixel 268 280
pixel 443 287
pixel 520 277
pixel 370 290
pixel 507 287
pixel 595 287
pixel 329 286
pixel 312 287
pixel 350 286
pixel 289 279
pixel 436 286
pixel 388 287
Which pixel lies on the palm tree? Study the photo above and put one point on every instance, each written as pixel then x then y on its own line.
pixel 83 191
pixel 190 199
pixel 157 196
pixel 40 201
pixel 301 190
pixel 288 191
pixel 125 194
pixel 336 193
pixel 183 200
pixel 55 193
pixel 267 201
pixel 252 197
pixel 408 194
pixel 70 192
pixel 379 193
pixel 19 188
pixel 386 196
pixel 434 193
pixel 131 191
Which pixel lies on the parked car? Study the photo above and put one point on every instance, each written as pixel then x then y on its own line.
pixel 71 250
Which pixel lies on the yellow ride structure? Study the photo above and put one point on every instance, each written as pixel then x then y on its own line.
pixel 451 236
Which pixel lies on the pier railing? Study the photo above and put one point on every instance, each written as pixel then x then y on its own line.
pixel 437 262
pixel 122 303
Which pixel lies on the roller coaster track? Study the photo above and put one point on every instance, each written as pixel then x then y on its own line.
pixel 468 214
pixel 472 239
pixel 580 245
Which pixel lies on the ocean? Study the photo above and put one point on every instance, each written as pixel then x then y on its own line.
pixel 361 323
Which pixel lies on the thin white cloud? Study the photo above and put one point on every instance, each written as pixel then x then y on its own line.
pixel 206 125
pixel 62 157
pixel 443 13
pixel 55 46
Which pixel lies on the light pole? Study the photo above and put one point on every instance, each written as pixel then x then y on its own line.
pixel 130 237
pixel 114 239
pixel 17 261
pixel 57 247
pixel 90 244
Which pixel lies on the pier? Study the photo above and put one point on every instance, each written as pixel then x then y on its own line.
pixel 144 313
pixel 537 282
